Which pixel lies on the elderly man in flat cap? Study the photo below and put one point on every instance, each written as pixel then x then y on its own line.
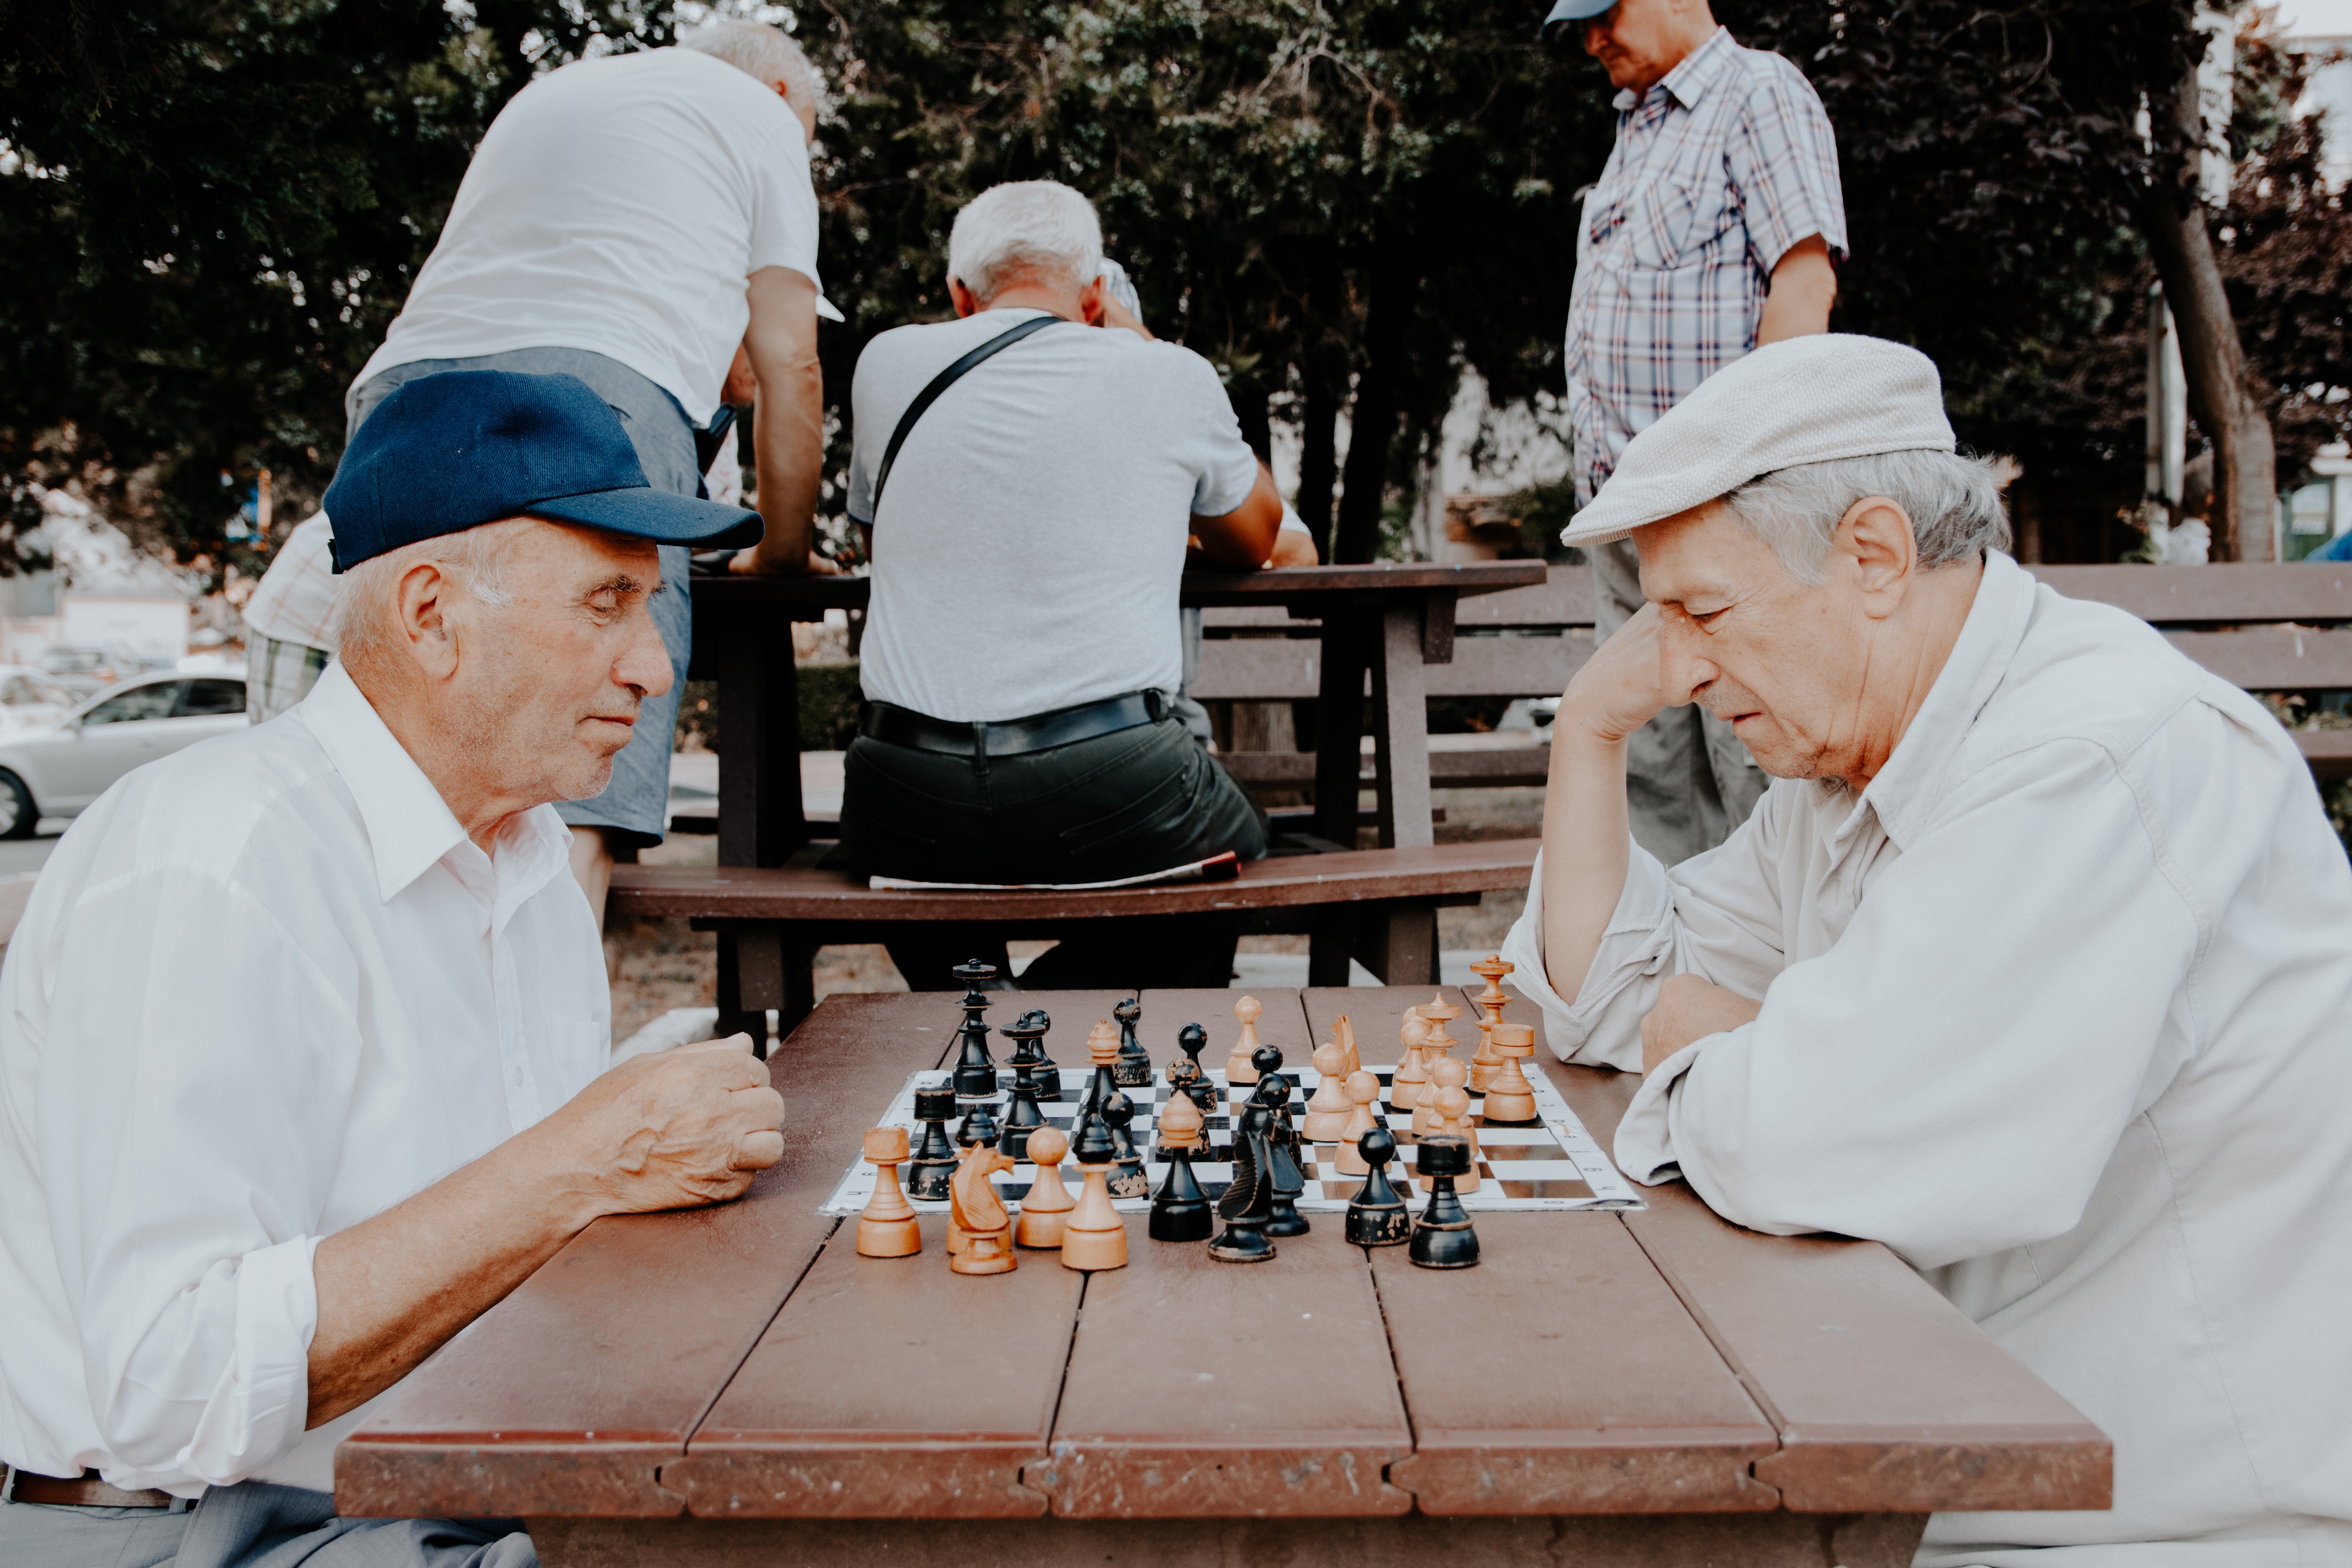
pixel 2034 963
pixel 302 1036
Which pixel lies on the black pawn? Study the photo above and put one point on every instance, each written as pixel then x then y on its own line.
pixel 979 1126
pixel 1441 1237
pixel 1129 1181
pixel 975 1073
pixel 1248 1201
pixel 1376 1215
pixel 1180 1211
pixel 1192 1039
pixel 1024 1118
pixel 1030 1036
pixel 933 1163
pixel 1288 1182
pixel 1266 1059
pixel 1133 1068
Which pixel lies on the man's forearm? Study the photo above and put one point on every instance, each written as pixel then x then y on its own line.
pixel 1585 830
pixel 394 1289
pixel 788 445
pixel 1803 287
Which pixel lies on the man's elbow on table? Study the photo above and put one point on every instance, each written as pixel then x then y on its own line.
pixel 1245 538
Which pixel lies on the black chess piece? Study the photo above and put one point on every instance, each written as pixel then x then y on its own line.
pixel 1192 1039
pixel 1377 1215
pixel 975 1073
pixel 1266 1059
pixel 1287 1179
pixel 1248 1201
pixel 1024 1118
pixel 1441 1237
pixel 1091 1142
pixel 1129 1180
pixel 1029 1050
pixel 933 1163
pixel 979 1126
pixel 1133 1068
pixel 1180 1211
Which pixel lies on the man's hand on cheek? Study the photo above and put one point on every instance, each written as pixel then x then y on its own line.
pixel 686 1127
pixel 1690 1009
pixel 1619 688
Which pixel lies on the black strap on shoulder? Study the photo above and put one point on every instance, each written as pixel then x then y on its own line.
pixel 931 394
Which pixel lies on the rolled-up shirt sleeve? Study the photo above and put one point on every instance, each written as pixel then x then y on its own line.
pixel 1783 159
pixel 1952 1074
pixel 184 1176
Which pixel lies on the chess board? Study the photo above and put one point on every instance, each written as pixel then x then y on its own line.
pixel 1551 1165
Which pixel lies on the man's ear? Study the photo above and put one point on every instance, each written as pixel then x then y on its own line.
pixel 1875 535
pixel 966 302
pixel 424 624
pixel 1090 302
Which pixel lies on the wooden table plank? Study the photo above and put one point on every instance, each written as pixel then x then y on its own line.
pixel 1205 1390
pixel 890 1387
pixel 570 1396
pixel 1561 1377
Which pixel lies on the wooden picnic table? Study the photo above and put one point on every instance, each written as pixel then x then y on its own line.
pixel 1386 621
pixel 735 1385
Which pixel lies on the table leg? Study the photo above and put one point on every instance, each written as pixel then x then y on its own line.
pixel 764 967
pixel 1340 726
pixel 1399 945
pixel 1412 1541
pixel 1401 732
pixel 761 821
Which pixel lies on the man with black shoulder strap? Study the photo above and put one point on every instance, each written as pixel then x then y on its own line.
pixel 1028 519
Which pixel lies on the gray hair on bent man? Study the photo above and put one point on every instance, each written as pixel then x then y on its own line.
pixel 366 622
pixel 1037 229
pixel 762 52
pixel 1953 501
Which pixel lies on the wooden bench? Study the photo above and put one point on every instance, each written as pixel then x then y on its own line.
pixel 1376 629
pixel 2267 629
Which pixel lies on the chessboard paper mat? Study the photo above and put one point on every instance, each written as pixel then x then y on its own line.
pixel 1550 1166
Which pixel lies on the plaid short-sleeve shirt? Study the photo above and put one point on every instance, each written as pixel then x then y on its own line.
pixel 1718 170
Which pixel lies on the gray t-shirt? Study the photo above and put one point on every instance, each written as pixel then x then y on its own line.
pixel 1032 537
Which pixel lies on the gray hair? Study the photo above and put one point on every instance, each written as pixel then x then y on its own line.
pixel 762 52
pixel 1953 499
pixel 366 622
pixel 1038 229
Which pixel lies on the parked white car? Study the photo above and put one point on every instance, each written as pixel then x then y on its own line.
pixel 57 770
pixel 30 698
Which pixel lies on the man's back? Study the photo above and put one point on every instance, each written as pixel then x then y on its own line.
pixel 617 206
pixel 1031 538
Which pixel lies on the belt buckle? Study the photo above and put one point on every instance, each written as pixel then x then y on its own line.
pixel 8 1485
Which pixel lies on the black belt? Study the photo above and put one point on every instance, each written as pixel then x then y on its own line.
pixel 896 726
pixel 86 1490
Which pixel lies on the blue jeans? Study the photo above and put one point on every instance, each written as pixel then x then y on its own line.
pixel 254 1525
pixel 636 801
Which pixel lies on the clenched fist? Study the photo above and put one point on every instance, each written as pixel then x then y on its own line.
pixel 673 1130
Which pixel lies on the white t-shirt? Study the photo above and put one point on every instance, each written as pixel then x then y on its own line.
pixel 1032 537
pixel 618 205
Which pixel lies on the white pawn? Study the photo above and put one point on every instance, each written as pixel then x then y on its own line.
pixel 1412 1072
pixel 1326 1112
pixel 1363 1089
pixel 1238 1066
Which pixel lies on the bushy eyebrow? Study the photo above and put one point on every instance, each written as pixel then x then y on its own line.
pixel 621 582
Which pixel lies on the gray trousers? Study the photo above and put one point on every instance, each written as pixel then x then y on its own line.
pixel 1689 780
pixel 636 801
pixel 253 1525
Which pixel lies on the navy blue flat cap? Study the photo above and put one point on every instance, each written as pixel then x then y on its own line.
pixel 449 452
pixel 1572 11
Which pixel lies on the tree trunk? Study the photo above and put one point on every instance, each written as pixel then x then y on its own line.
pixel 2227 408
pixel 1372 426
pixel 1319 459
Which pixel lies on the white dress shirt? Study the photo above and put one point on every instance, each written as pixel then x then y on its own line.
pixel 264 989
pixel 2058 1008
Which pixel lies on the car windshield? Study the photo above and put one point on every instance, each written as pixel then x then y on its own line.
pixel 140 702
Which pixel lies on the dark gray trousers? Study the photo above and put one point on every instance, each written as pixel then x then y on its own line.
pixel 253 1525
pixel 1122 805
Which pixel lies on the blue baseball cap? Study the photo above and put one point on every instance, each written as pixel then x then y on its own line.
pixel 1572 11
pixel 449 452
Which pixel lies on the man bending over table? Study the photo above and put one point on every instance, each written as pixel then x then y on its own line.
pixel 301 1034
pixel 2034 963
pixel 1023 651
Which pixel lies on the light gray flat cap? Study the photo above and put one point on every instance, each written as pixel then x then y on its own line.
pixel 1804 400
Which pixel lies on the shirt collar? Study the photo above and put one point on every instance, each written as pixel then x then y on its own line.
pixel 408 824
pixel 1907 787
pixel 1689 81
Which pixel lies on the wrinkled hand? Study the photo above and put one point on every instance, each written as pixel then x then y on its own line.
pixel 1619 687
pixel 1690 1009
pixel 675 1129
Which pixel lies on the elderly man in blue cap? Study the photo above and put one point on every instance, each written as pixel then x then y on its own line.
pixel 303 1036
pixel 1712 230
